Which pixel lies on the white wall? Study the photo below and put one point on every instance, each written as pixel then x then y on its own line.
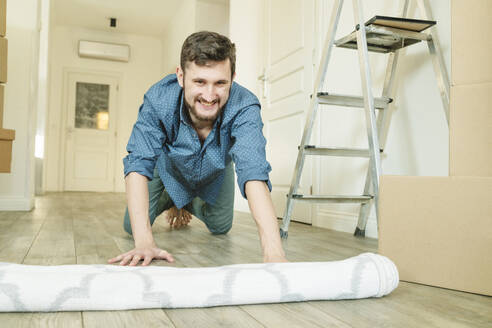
pixel 192 16
pixel 143 70
pixel 418 136
pixel 246 31
pixel 420 143
pixel 17 188
pixel 212 15
pixel 43 90
pixel 182 25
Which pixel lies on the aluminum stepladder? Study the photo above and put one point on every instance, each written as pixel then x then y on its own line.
pixel 377 126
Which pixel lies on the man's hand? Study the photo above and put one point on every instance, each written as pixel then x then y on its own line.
pixel 146 254
pixel 178 218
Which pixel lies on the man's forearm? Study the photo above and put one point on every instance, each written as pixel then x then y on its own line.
pixel 137 196
pixel 261 206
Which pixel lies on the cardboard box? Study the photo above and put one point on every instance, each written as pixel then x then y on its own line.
pixel 470 135
pixel 2 92
pixel 6 139
pixel 471 41
pixel 3 60
pixel 3 17
pixel 438 230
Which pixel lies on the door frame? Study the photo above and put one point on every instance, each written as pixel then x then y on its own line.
pixel 67 71
pixel 266 98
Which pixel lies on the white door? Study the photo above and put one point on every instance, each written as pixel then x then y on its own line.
pixel 90 132
pixel 289 83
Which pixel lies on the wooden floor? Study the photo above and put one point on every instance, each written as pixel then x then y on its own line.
pixel 86 228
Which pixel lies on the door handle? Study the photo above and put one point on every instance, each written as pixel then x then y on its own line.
pixel 264 79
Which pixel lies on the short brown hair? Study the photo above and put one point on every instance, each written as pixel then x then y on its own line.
pixel 204 46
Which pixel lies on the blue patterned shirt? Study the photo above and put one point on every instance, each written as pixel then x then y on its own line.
pixel 164 136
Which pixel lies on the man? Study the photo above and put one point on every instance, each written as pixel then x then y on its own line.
pixel 191 126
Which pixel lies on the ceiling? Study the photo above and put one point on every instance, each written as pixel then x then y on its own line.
pixel 147 17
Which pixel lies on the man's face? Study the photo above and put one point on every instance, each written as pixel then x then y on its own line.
pixel 206 88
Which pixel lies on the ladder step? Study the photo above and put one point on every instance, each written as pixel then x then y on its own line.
pixel 335 151
pixel 333 199
pixel 387 34
pixel 326 98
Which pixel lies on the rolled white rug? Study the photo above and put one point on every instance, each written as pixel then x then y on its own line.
pixel 26 288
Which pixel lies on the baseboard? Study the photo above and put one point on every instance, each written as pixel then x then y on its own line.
pixel 340 221
pixel 346 222
pixel 16 203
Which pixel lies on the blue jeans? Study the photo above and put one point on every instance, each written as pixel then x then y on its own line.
pixel 217 217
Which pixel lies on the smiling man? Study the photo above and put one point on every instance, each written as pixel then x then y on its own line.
pixel 190 129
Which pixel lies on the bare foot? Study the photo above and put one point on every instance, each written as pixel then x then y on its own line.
pixel 178 218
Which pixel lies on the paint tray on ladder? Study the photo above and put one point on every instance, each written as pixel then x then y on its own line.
pixel 387 34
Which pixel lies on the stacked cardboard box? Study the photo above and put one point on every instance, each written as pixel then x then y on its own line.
pixel 6 136
pixel 438 230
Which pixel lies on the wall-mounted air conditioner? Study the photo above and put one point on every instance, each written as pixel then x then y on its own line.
pixel 103 50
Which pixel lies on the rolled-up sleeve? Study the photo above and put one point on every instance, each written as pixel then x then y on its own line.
pixel 145 143
pixel 248 148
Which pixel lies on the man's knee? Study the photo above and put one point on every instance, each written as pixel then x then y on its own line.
pixel 221 230
pixel 221 225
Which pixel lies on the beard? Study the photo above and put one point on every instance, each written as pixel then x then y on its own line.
pixel 193 111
